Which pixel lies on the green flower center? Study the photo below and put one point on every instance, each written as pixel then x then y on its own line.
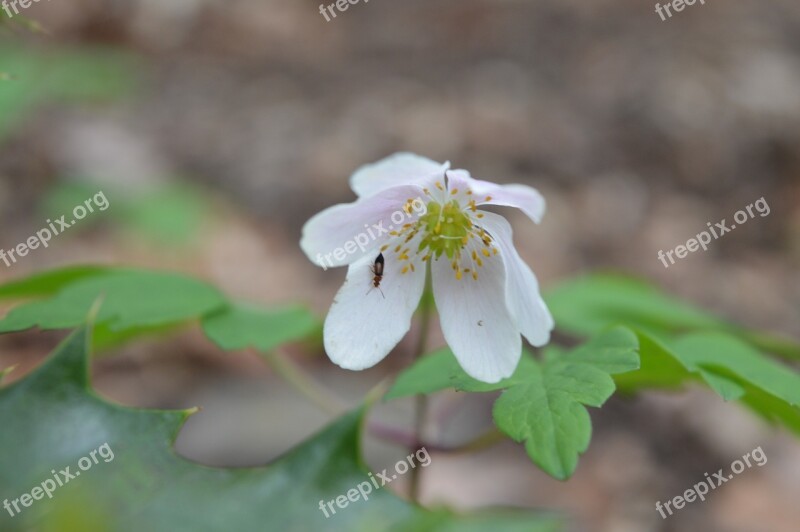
pixel 445 229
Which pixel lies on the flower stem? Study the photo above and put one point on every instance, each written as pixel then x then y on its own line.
pixel 483 441
pixel 421 400
pixel 301 381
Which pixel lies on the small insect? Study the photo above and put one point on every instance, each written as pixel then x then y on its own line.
pixel 377 272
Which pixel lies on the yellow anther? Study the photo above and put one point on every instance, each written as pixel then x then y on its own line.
pixel 488 198
pixel 475 275
pixel 454 191
pixel 439 186
pixel 485 252
pixel 405 269
pixel 384 247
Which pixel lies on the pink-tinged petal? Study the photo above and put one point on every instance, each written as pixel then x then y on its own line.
pixel 476 322
pixel 365 323
pixel 343 234
pixel 522 289
pixel 395 170
pixel 525 198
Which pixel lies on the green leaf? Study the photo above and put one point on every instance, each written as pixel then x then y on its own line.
pixel 728 389
pixel 170 216
pixel 130 299
pixel 545 410
pixel 543 402
pixel 660 368
pixel 590 304
pixel 446 521
pixel 431 373
pixel 718 353
pixel 67 74
pixel 440 370
pixel 240 327
pixel 613 352
pixel 52 418
pixel 730 367
pixel 105 339
pixel 48 283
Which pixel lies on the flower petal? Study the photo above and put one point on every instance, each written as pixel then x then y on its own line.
pixel 364 324
pixel 525 198
pixel 522 289
pixel 395 170
pixel 343 234
pixel 476 322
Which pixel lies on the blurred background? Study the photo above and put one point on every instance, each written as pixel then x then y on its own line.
pixel 216 129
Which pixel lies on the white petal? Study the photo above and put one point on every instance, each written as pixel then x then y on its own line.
pixel 395 170
pixel 522 289
pixel 364 324
pixel 525 198
pixel 343 234
pixel 476 322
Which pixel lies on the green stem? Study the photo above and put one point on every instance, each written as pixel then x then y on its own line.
pixel 483 441
pixel 421 400
pixel 301 381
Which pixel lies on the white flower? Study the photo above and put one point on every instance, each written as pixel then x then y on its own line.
pixel 412 210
